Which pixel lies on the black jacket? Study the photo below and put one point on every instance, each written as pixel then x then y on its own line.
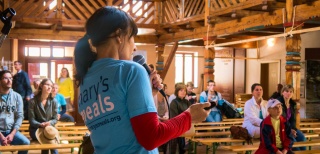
pixel 21 84
pixel 293 106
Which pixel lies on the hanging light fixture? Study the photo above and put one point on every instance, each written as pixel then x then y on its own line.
pixel 44 3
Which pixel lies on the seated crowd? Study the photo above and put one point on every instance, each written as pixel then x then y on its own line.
pixel 43 113
pixel 259 115
pixel 47 106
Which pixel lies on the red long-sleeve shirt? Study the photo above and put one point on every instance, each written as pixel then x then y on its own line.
pixel 151 133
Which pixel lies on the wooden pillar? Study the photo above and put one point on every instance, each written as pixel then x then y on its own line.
pixel 209 55
pixel 160 58
pixel 293 47
pixel 206 12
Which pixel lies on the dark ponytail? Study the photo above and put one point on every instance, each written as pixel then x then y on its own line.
pixel 99 29
pixel 83 59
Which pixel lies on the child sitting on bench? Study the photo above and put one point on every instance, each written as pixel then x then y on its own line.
pixel 275 132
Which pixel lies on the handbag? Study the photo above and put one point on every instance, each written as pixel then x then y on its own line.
pixel 86 146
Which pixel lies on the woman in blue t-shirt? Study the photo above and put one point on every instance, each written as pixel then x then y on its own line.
pixel 116 95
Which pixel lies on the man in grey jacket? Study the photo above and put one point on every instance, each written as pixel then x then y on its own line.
pixel 11 113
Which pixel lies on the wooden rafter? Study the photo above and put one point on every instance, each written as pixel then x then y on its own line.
pixel 169 60
pixel 238 6
pixel 83 10
pixel 228 27
pixel 87 6
pixel 74 10
pixel 64 35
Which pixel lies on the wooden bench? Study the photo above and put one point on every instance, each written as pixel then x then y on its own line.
pixel 309 120
pixel 233 119
pixel 310 129
pixel 59 124
pixel 214 142
pixel 307 152
pixel 80 132
pixel 218 123
pixel 305 124
pixel 70 128
pixel 213 127
pixel 38 147
pixel 243 148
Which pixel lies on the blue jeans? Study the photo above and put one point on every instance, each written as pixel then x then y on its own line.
pixel 214 116
pixel 300 137
pixel 32 133
pixel 18 139
pixel 66 118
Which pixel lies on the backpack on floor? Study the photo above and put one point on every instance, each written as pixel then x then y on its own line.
pixel 238 132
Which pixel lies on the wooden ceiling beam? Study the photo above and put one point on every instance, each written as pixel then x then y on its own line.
pixel 306 11
pixel 49 20
pixel 24 34
pixel 215 20
pixel 228 27
pixel 169 60
pixel 242 45
pixel 66 21
pixel 239 6
pixel 184 21
pixel 195 24
pixel 82 9
pixel 74 10
pixel 244 13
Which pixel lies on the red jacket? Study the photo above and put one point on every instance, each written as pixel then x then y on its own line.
pixel 268 137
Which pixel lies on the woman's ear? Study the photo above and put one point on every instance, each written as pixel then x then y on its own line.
pixel 119 39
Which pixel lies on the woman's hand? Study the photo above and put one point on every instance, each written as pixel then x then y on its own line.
pixel 294 133
pixel 58 116
pixel 279 152
pixel 198 113
pixel 155 81
pixel 284 151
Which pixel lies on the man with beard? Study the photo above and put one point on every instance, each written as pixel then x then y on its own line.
pixel 11 113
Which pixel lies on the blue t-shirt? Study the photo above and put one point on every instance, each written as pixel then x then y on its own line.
pixel 204 98
pixel 113 91
pixel 61 101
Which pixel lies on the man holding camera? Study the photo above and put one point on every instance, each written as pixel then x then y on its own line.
pixel 213 97
pixel 11 113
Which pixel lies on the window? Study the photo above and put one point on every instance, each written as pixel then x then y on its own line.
pixel 47 51
pixel 34 51
pixel 58 52
pixel 186 66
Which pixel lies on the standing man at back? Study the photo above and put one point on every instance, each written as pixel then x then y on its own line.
pixel 21 85
pixel 11 113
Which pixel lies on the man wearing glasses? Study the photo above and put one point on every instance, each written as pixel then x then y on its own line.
pixel 11 113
